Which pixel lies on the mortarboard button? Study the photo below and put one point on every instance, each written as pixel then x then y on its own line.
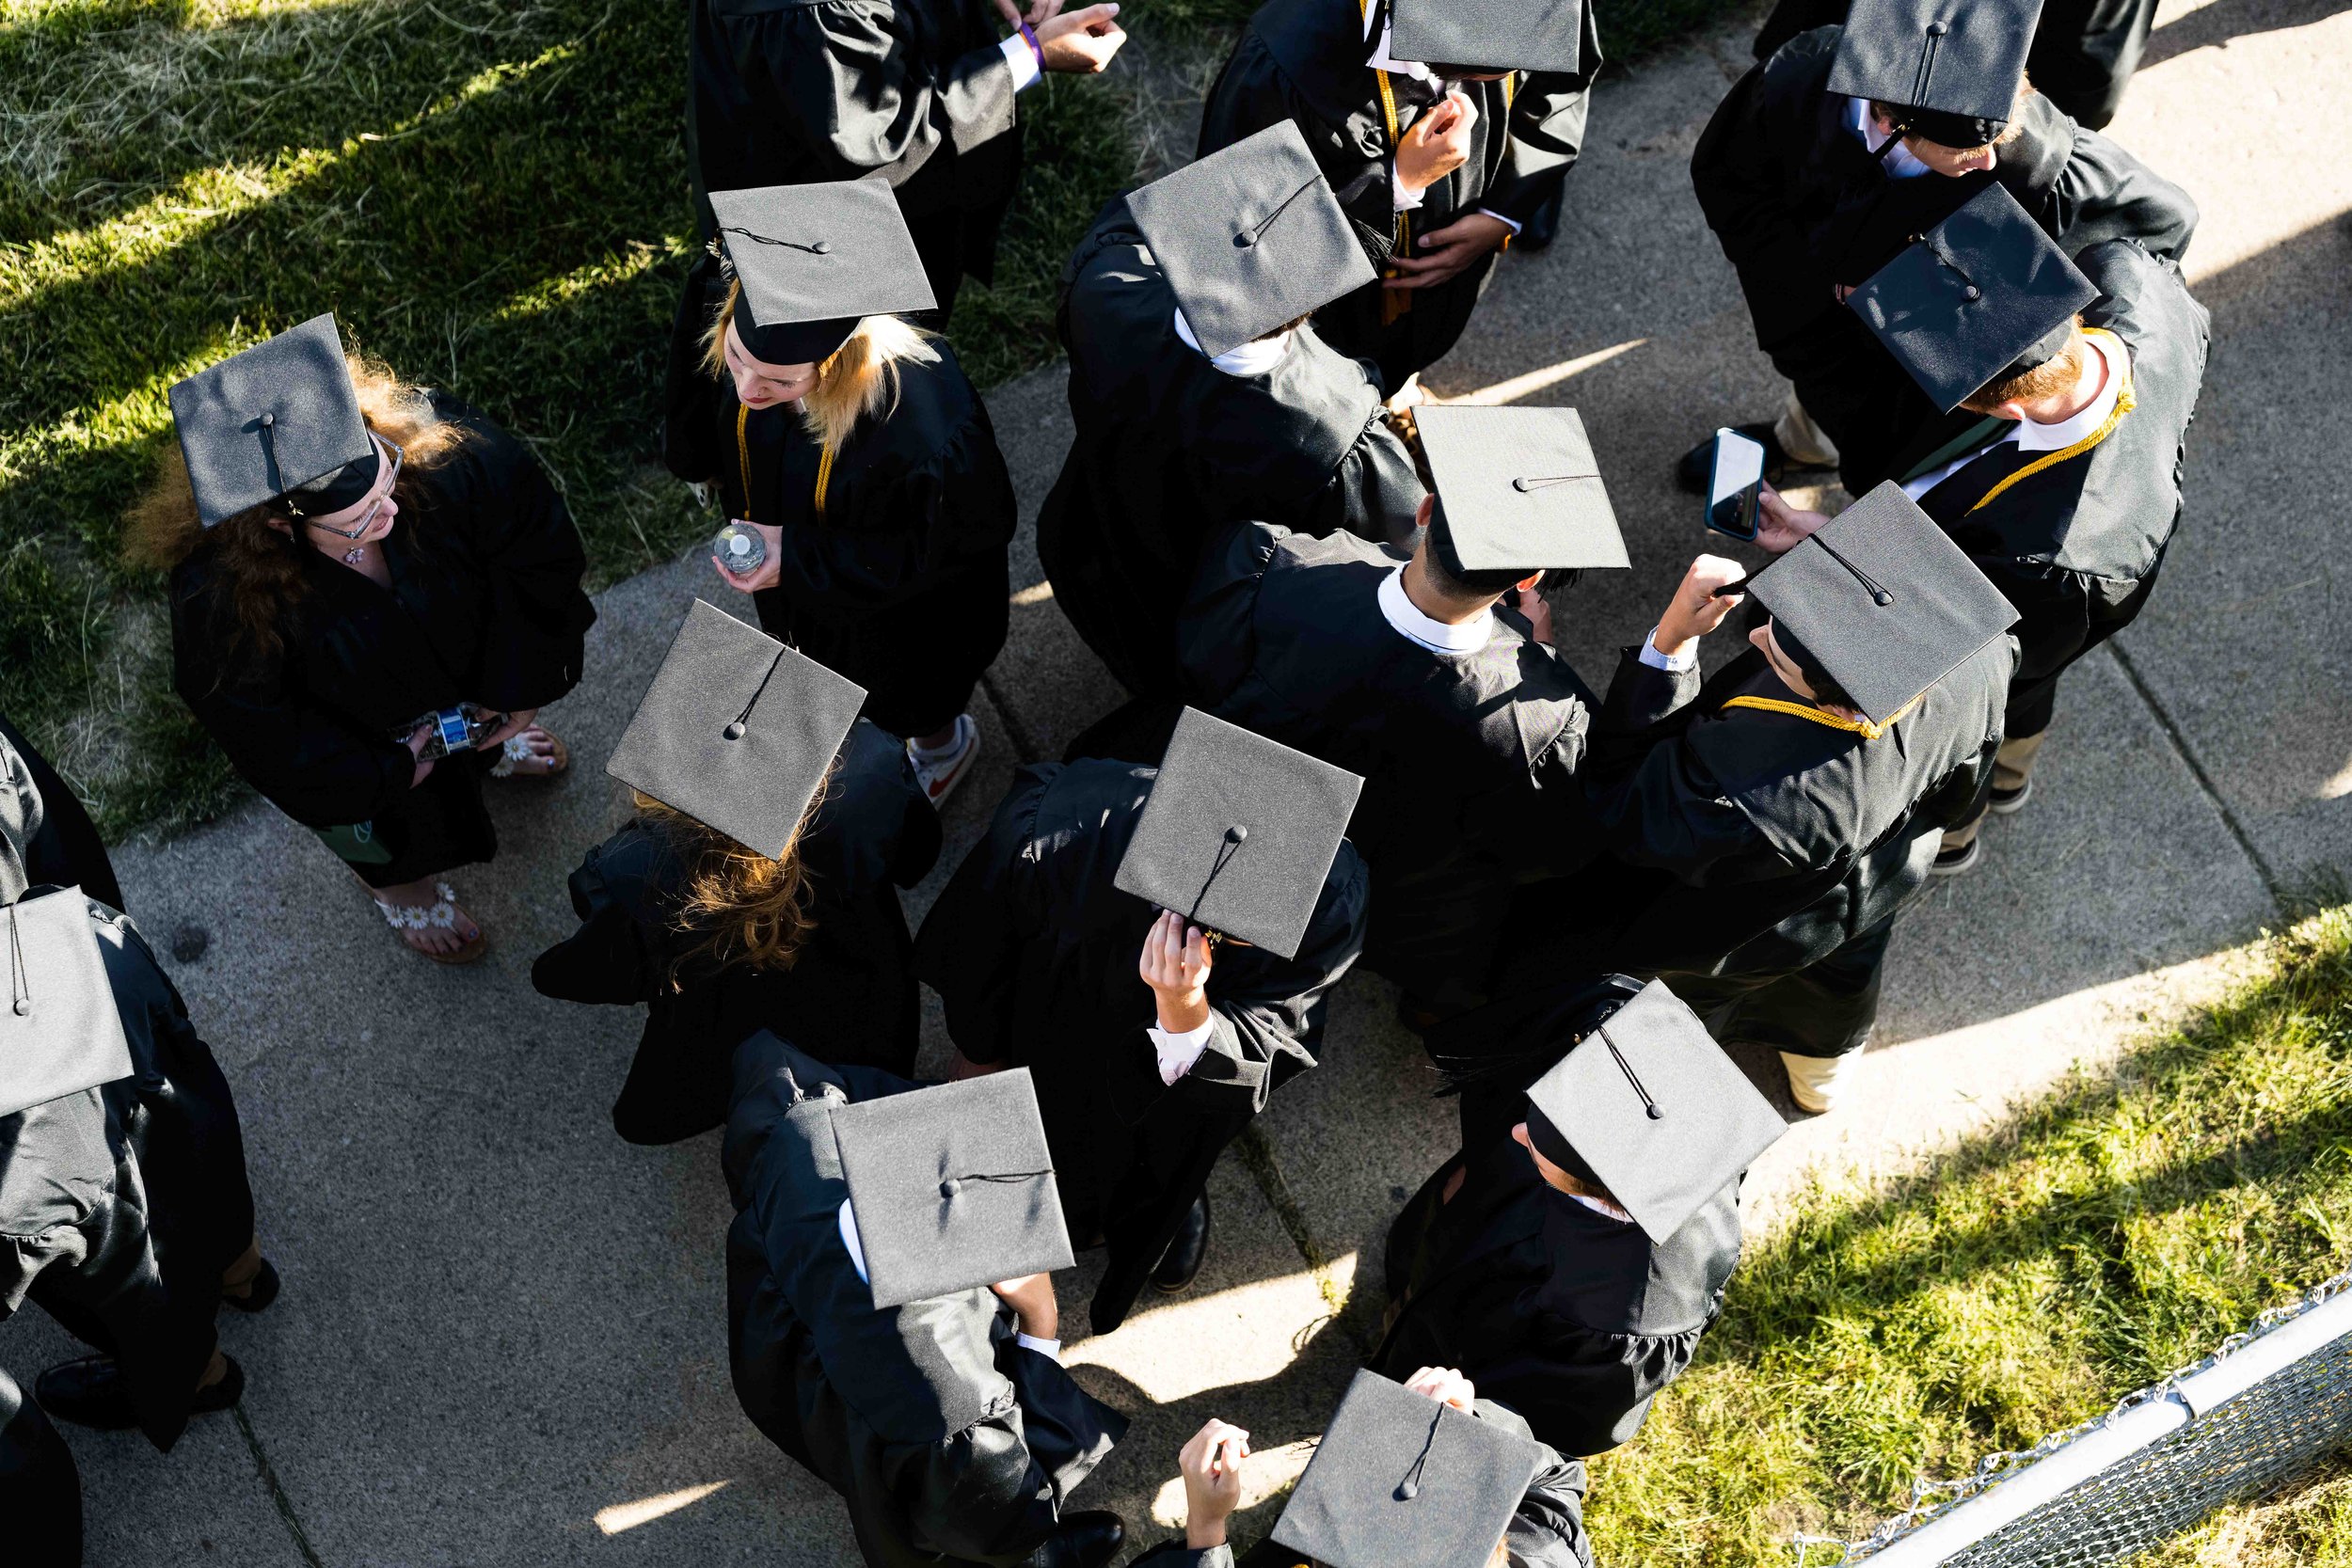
pixel 734 730
pixel 1936 29
pixel 1237 833
pixel 23 1006
pixel 268 420
pixel 1972 293
pixel 1407 1489
pixel 822 247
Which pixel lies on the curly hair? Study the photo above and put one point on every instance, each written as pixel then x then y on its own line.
pixel 746 908
pixel 858 379
pixel 259 566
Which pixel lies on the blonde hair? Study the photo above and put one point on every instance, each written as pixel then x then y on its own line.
pixel 749 910
pixel 260 568
pixel 2053 375
pixel 857 380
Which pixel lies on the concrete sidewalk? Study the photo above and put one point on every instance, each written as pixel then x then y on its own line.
pixel 502 1338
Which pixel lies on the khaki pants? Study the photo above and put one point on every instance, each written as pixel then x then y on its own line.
pixel 2011 765
pixel 1800 438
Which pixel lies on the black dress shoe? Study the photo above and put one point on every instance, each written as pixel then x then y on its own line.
pixel 264 1291
pixel 1088 1540
pixel 1696 471
pixel 90 1393
pixel 1185 1250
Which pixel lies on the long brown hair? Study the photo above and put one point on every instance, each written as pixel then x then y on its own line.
pixel 859 378
pixel 260 568
pixel 744 907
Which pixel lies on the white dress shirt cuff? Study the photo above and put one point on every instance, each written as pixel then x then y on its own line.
pixel 1051 1349
pixel 1401 200
pixel 1178 1052
pixel 1506 223
pixel 1023 59
pixel 1673 664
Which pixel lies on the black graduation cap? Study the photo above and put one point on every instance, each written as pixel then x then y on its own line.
pixel 816 260
pixel 1239 832
pixel 1493 35
pixel 1251 237
pixel 1401 1480
pixel 1520 488
pixel 1883 600
pixel 282 415
pixel 1648 1105
pixel 951 1187
pixel 1952 66
pixel 737 731
pixel 1982 295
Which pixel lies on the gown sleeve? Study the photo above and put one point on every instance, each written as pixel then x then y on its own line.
pixel 853 93
pixel 524 542
pixel 969 949
pixel 1651 798
pixel 1214 635
pixel 932 518
pixel 1547 1529
pixel 2103 192
pixel 1583 1390
pixel 1737 172
pixel 1068 1432
pixel 1373 491
pixel 1547 121
pixel 311 762
pixel 608 959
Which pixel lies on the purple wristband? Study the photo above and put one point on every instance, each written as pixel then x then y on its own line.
pixel 1030 34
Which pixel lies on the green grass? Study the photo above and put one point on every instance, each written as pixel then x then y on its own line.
pixel 2111 1232
pixel 2309 1526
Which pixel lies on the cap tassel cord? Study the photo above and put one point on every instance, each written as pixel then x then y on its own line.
pixel 742 720
pixel 950 1185
pixel 820 248
pixel 1234 837
pixel 1947 260
pixel 1537 482
pixel 1409 1488
pixel 1630 1076
pixel 1250 236
pixel 20 979
pixel 1878 596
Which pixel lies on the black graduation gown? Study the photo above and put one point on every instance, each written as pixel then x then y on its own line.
pixel 1547 1531
pixel 45 835
pixel 2076 545
pixel 902 583
pixel 1470 760
pixel 1799 205
pixel 484 607
pixel 1304 61
pixel 1759 859
pixel 40 1490
pixel 849 995
pixel 1572 1318
pixel 2083 55
pixel 948 1439
pixel 1034 952
pixel 1168 448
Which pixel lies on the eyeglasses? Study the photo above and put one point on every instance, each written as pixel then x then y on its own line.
pixel 384 449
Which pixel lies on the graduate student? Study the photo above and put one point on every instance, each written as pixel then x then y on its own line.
pixel 1821 164
pixel 1442 129
pixel 122 1171
pixel 2083 55
pixel 1203 395
pixel 374 591
pixel 1156 949
pixel 891 1321
pixel 2056 461
pixel 917 93
pixel 757 885
pixel 46 834
pixel 859 452
pixel 1427 1475
pixel 40 1484
pixel 1430 674
pixel 1570 1257
pixel 1780 814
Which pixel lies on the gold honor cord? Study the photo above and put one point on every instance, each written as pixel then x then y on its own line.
pixel 744 467
pixel 2124 403
pixel 1866 728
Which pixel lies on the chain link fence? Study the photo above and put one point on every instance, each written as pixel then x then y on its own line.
pixel 2268 1405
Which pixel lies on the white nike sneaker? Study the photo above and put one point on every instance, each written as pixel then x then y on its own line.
pixel 1818 1082
pixel 940 775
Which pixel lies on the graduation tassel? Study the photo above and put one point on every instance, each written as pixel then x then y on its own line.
pixel 1878 596
pixel 1409 1488
pixel 742 720
pixel 20 980
pixel 950 1186
pixel 1630 1076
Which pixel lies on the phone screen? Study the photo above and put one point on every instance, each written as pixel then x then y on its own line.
pixel 1738 484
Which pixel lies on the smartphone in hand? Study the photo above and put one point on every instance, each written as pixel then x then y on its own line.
pixel 1735 491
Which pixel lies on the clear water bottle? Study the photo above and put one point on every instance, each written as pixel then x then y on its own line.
pixel 740 550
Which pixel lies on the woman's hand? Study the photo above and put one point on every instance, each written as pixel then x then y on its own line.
pixel 1175 964
pixel 417 738
pixel 1449 252
pixel 1038 14
pixel 1781 528
pixel 771 570
pixel 1444 1385
pixel 1436 144
pixel 1080 42
pixel 1031 1298
pixel 1696 609
pixel 514 723
pixel 1211 1465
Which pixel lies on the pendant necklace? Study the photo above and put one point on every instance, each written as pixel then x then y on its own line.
pixel 354 555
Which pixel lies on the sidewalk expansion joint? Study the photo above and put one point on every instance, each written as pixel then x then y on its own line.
pixel 276 1492
pixel 1258 1154
pixel 2173 733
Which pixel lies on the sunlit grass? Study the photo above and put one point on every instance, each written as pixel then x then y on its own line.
pixel 2113 1231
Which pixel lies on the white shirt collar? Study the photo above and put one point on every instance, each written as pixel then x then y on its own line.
pixel 1900 164
pixel 1254 358
pixel 1439 637
pixel 1382 60
pixel 1603 1208
pixel 849 1239
pixel 2032 437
